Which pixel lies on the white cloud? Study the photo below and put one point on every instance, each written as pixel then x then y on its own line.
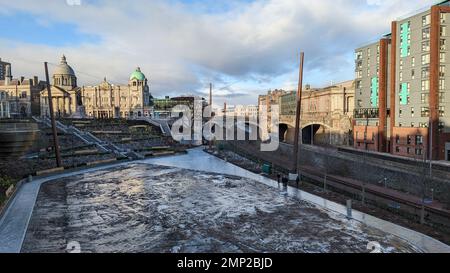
pixel 180 50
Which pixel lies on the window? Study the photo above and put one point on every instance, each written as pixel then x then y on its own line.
pixel 400 113
pixel 397 149
pixel 443 30
pixel 426 59
pixel 441 111
pixel 400 76
pixel 426 20
pixel 412 113
pixel 425 72
pixel 419 140
pixel 359 74
pixel 442 71
pixel 408 150
pixel 424 98
pixel 426 33
pixel 443 18
pixel 409 139
pixel 368 53
pixel 441 97
pixel 400 124
pixel 423 125
pixel 441 84
pixel 413 74
pixel 412 124
pixel 359 103
pixel 401 64
pixel 425 112
pixel 397 139
pixel 425 85
pixel 441 57
pixel 426 46
pixel 413 61
pixel 358 55
pixel 442 44
pixel 418 151
pixel 368 72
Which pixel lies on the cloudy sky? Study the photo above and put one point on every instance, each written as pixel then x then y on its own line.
pixel 244 47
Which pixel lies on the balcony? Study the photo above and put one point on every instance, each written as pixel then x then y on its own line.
pixel 367 113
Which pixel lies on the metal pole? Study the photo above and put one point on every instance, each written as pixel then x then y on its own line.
pixel 298 112
pixel 52 117
pixel 210 106
pixel 431 148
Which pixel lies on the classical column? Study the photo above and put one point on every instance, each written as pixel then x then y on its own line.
pixel 8 110
pixel 64 105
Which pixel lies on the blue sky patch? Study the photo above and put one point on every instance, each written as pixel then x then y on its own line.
pixel 28 28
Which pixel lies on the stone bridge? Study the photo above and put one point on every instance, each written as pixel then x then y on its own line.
pixel 319 128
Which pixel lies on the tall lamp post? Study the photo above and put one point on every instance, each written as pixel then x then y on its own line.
pixel 52 117
pixel 298 112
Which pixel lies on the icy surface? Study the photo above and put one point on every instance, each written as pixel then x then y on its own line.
pixel 148 208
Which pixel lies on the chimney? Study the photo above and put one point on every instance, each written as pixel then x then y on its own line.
pixel 8 76
pixel 35 80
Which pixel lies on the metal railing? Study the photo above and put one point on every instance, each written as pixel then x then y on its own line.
pixel 366 113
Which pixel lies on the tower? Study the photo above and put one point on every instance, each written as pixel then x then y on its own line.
pixel 8 74
pixel 139 92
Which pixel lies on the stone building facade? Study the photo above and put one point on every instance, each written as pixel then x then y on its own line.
pixel 326 114
pixel 65 92
pixel 102 101
pixel 19 97
pixel 114 101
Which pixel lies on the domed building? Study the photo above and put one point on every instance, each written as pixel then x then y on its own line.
pixel 115 101
pixel 64 91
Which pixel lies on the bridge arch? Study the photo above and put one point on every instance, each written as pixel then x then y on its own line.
pixel 317 133
pixel 286 133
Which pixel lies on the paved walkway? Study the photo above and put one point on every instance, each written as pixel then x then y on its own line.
pixel 14 224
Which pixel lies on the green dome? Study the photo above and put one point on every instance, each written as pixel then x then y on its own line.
pixel 137 75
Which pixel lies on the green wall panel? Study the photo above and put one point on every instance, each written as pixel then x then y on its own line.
pixel 404 94
pixel 374 92
pixel 404 45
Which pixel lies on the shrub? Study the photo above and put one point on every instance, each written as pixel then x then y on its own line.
pixel 5 183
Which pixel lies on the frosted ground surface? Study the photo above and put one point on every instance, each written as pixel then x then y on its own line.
pixel 149 208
